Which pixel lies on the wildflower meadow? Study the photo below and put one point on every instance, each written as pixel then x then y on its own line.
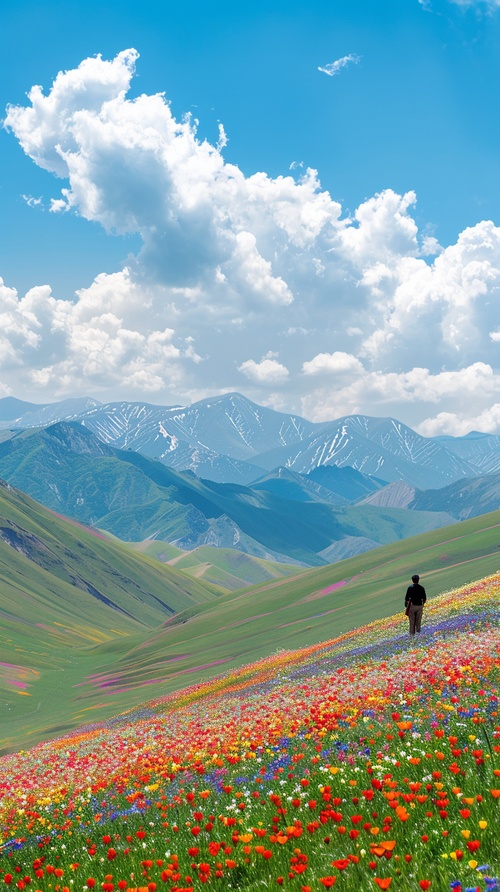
pixel 371 761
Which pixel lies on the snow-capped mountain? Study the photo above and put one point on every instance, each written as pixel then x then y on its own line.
pixel 231 439
pixel 481 450
pixel 19 415
pixel 381 447
pixel 228 425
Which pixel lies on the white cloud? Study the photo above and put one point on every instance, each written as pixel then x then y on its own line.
pixel 384 230
pixel 31 201
pixel 267 371
pixel 231 264
pixel 333 363
pixel 333 68
pixel 430 246
pixel 389 393
pixel 52 344
pixel 255 274
pixel 448 423
pixel 441 309
pixel 490 4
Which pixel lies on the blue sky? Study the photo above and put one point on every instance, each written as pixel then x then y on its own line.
pixel 326 297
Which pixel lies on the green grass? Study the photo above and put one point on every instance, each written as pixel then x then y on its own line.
pixel 73 657
pixel 162 551
pixel 64 591
pixel 230 568
pixel 239 628
pixel 226 568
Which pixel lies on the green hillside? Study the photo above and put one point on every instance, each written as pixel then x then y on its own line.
pixel 225 568
pixel 302 609
pixel 65 590
pixel 228 568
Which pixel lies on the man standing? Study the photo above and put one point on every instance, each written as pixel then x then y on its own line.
pixel 414 604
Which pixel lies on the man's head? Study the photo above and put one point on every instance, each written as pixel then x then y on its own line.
pixel 415 577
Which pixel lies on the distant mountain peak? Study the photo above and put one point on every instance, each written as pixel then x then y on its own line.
pixel 228 438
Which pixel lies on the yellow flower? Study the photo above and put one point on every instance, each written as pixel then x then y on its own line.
pixel 473 864
pixel 483 824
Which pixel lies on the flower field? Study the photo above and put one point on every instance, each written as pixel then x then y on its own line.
pixel 371 761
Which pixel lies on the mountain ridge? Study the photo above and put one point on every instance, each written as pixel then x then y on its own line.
pixel 70 470
pixel 228 438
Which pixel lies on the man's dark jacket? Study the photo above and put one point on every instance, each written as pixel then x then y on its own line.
pixel 415 594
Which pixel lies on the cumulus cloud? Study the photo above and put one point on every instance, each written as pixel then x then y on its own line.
pixel 451 424
pixel 333 364
pixel 231 265
pixel 54 343
pixel 267 371
pixel 390 392
pixel 333 68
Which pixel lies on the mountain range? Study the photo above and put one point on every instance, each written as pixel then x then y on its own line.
pixel 229 439
pixel 284 516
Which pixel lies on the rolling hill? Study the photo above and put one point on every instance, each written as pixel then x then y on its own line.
pixel 273 762
pixel 69 658
pixel 230 569
pixel 226 568
pixel 303 610
pixel 65 590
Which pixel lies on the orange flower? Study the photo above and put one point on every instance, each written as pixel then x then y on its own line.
pixel 402 813
pixel 383 883
pixel 379 849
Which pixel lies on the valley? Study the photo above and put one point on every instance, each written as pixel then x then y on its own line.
pixel 88 625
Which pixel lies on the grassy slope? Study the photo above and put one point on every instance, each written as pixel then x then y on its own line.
pixel 230 568
pixel 297 611
pixel 74 658
pixel 226 568
pixel 65 590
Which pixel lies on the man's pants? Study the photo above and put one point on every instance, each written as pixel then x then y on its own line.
pixel 415 617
